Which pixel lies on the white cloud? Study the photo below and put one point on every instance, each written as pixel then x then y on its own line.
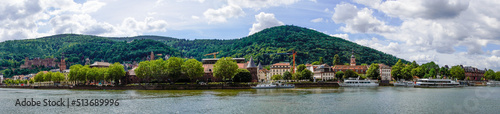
pixel 257 4
pixel 422 58
pixel 393 48
pixel 317 20
pixel 194 17
pixel 358 21
pixel 432 9
pixel 221 14
pixel 263 21
pixel 343 36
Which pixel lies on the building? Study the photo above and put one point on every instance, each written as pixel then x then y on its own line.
pixel 253 70
pixel 37 62
pixel 385 73
pixel 130 77
pixel 1 78
pixel 324 72
pixel 100 64
pixel 62 64
pixel 263 74
pixel 208 65
pixel 473 73
pixel 280 68
pixel 360 69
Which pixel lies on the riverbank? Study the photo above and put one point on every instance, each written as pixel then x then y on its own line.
pixel 168 87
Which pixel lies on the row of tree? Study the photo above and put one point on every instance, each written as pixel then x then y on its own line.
pixel 49 76
pixel 86 74
pixel 492 75
pixel 170 70
pixel 10 81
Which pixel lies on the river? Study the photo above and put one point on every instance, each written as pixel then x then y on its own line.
pixel 297 100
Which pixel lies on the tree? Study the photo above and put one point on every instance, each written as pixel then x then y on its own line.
pixel 57 77
pixel 457 72
pixel 174 68
pixel 277 77
pixel 347 64
pixel 73 73
pixel 490 75
pixel 243 75
pixel 92 74
pixel 306 74
pixel 444 72
pixel 116 72
pixel 373 71
pixel 339 75
pixel 47 76
pixel 497 76
pixel 419 72
pixel 336 60
pixel 406 72
pixel 82 73
pixel 301 67
pixel 193 69
pixel 287 75
pixel 320 60
pixel 364 64
pixel 350 74
pixel 432 73
pixel 296 76
pixel 396 70
pixel 225 68
pixel 39 76
pixel 316 63
pixel 414 64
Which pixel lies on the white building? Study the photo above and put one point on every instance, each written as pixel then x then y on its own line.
pixel 280 68
pixel 324 72
pixel 385 73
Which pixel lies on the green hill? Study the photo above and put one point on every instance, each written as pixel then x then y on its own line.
pixel 309 44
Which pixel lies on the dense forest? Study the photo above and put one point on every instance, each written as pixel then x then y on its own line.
pixel 309 44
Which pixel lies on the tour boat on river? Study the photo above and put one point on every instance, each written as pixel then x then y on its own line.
pixel 404 83
pixel 436 83
pixel 493 83
pixel 358 83
pixel 273 86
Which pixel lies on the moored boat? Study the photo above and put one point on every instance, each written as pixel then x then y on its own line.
pixel 358 83
pixel 436 83
pixel 273 86
pixel 493 83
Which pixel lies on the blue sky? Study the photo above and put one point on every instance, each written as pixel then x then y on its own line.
pixel 449 32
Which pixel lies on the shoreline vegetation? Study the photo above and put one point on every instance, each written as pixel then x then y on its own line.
pixel 166 86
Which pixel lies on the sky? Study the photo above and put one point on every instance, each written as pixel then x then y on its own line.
pixel 448 32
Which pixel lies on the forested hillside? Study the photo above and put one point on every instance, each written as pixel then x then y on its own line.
pixel 310 45
pixel 78 47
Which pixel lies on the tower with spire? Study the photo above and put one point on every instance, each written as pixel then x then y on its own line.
pixel 253 70
pixel 353 59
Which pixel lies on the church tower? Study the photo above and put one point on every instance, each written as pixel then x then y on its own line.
pixel 62 65
pixel 353 60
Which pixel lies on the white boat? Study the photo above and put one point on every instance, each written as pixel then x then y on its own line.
pixel 399 83
pixel 436 83
pixel 404 83
pixel 493 83
pixel 358 83
pixel 273 86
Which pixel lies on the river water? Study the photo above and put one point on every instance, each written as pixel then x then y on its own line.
pixel 297 100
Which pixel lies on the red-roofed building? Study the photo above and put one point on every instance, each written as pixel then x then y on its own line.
pixel 280 68
pixel 360 69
